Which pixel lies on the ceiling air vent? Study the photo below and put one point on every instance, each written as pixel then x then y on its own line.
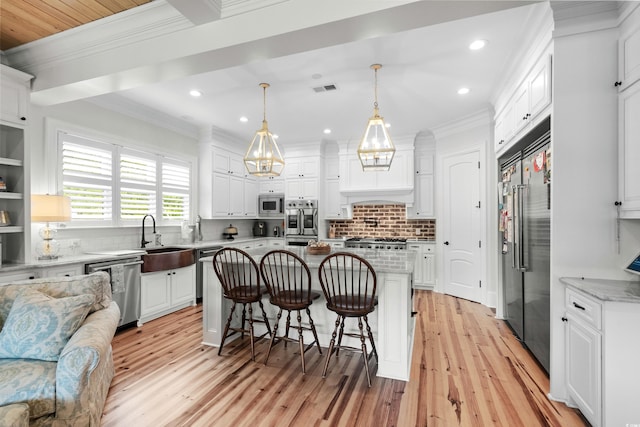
pixel 325 88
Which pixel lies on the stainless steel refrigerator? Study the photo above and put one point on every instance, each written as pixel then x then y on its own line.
pixel 525 229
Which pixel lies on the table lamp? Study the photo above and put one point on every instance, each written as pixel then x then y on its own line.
pixel 49 208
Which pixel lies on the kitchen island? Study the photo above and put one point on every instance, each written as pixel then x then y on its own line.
pixel 391 322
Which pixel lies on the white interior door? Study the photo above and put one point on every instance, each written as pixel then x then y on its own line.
pixel 461 226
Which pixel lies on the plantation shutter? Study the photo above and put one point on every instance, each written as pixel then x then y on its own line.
pixel 137 185
pixel 176 186
pixel 87 177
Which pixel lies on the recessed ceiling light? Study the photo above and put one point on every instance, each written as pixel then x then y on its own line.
pixel 243 119
pixel 463 91
pixel 195 93
pixel 477 44
pixel 327 131
pixel 387 125
pixel 275 136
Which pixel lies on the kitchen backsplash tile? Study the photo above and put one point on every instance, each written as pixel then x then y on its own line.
pixel 384 220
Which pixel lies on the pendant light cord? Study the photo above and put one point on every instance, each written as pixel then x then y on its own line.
pixel 375 87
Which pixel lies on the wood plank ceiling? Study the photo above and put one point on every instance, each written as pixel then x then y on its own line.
pixel 24 21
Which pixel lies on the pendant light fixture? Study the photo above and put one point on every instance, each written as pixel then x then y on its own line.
pixel 263 157
pixel 376 149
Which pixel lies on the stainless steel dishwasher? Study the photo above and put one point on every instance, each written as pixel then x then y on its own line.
pixel 125 285
pixel 201 253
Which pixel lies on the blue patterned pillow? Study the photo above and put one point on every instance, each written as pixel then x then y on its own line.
pixel 39 326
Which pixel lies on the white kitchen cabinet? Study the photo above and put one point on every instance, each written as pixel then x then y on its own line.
pixel 245 246
pixel 15 276
pixel 301 167
pixel 399 178
pixel 424 270
pixel 583 354
pixel 163 292
pixel 276 243
pixel 301 178
pixel 183 290
pixel 14 165
pixel 504 127
pixel 14 86
pixel 225 190
pixel 628 113
pixel 228 162
pixel 250 208
pixel 629 152
pixel 271 185
pixel 335 244
pixel 601 349
pixel 423 206
pixel 533 95
pixel 333 202
pixel 63 270
pixel 228 197
pixel 524 108
pixel 334 206
pixel 629 52
pixel 302 188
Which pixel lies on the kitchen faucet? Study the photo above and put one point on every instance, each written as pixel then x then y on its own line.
pixel 144 242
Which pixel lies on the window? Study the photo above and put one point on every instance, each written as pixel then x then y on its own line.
pixel 108 182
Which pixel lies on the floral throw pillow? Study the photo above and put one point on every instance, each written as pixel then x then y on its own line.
pixel 39 326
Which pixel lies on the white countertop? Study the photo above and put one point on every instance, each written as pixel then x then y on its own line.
pixel 98 255
pixel 384 261
pixel 606 289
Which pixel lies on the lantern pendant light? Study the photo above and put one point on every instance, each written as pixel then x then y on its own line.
pixel 376 149
pixel 263 157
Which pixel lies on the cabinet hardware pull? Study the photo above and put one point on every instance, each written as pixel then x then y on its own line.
pixel 446 243
pixel 564 319
pixel 616 84
pixel 578 306
pixel 23 118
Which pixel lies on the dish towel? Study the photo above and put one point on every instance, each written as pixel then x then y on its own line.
pixel 117 278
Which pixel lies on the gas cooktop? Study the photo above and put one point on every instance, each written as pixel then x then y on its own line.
pixel 376 239
pixel 376 242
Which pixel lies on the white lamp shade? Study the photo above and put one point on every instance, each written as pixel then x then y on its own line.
pixel 50 208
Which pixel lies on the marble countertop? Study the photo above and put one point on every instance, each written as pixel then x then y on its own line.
pixel 105 255
pixel 606 289
pixel 383 261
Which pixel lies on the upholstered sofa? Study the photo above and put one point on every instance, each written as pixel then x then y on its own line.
pixel 56 363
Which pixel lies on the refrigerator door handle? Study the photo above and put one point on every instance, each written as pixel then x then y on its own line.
pixel 521 194
pixel 515 246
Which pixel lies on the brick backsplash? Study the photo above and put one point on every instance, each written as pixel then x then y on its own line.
pixel 384 220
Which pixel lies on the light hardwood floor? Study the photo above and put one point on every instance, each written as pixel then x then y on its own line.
pixel 467 370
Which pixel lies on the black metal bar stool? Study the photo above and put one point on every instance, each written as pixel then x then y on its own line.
pixel 349 285
pixel 288 281
pixel 240 278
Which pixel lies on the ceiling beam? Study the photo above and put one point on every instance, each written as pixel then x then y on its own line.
pixel 237 40
pixel 198 11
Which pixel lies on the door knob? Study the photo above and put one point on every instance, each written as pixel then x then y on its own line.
pixel 446 243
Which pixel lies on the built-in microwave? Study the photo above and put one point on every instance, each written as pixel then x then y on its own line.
pixel 271 204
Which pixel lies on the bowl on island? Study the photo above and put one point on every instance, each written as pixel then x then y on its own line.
pixel 318 248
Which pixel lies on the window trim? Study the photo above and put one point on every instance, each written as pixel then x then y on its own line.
pixel 55 178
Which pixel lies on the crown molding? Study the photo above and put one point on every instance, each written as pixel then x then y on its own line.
pixel 479 119
pixel 237 7
pixel 126 107
pixel 576 17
